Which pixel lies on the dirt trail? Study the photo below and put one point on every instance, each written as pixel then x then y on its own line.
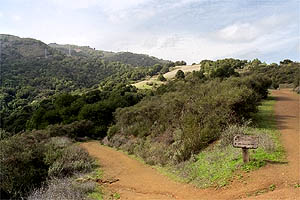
pixel 138 181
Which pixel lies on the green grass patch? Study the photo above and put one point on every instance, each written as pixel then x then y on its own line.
pixel 264 119
pixel 266 124
pixel 216 165
pixel 143 86
pixel 97 195
pixel 116 196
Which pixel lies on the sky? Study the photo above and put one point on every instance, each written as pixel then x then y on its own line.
pixel 189 30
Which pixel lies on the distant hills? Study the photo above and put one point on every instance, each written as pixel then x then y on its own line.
pixel 123 57
pixel 14 47
pixel 32 70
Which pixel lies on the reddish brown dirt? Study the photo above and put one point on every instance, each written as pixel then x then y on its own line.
pixel 138 181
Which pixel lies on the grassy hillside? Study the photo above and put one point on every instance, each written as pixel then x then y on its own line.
pixel 153 81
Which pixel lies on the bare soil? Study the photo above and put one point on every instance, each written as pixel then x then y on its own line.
pixel 139 181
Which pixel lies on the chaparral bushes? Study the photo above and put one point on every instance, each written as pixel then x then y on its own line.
pixel 29 159
pixel 183 121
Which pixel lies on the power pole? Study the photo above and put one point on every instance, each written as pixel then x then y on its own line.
pixel 45 53
pixel 69 50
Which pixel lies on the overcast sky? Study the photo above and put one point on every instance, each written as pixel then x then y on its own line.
pixel 190 30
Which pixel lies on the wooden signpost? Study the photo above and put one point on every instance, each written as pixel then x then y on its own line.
pixel 245 142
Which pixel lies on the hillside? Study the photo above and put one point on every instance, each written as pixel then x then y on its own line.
pixel 50 99
pixel 75 50
pixel 134 59
pixel 32 71
pixel 123 57
pixel 14 47
pixel 169 75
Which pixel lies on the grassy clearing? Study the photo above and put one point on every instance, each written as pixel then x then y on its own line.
pixel 97 193
pixel 151 82
pixel 148 84
pixel 184 68
pixel 266 124
pixel 216 165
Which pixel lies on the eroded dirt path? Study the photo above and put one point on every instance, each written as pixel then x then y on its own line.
pixel 138 181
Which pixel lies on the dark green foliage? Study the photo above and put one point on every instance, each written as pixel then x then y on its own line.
pixel 179 74
pixel 154 69
pixel 178 63
pixel 95 106
pixel 31 158
pixel 22 166
pixel 76 130
pixel 191 114
pixel 16 121
pixel 28 75
pixel 221 68
pixel 285 62
pixel 161 78
pixel 287 72
pixel 133 59
pixel 165 69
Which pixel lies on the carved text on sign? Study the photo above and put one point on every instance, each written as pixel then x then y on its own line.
pixel 245 141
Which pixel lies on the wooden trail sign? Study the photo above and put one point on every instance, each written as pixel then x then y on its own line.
pixel 245 142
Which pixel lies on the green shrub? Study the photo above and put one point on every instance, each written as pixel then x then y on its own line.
pixel 230 132
pixel 30 158
pixel 161 78
pixel 179 74
pixel 71 160
pixel 22 163
pixel 75 130
pixel 199 111
pixel 63 188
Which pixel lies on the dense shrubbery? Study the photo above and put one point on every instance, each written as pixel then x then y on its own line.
pixel 63 189
pixel 28 76
pixel 221 68
pixel 28 159
pixel 95 106
pixel 187 116
pixel 177 120
pixel 161 78
pixel 287 72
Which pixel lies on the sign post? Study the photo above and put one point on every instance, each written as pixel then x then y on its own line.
pixel 245 142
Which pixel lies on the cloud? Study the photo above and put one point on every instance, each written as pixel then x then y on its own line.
pixel 238 33
pixel 189 30
pixel 246 40
pixel 16 18
pixel 248 32
pixel 74 4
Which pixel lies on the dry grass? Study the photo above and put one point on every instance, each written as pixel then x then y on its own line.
pixel 153 80
pixel 62 189
pixel 184 68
